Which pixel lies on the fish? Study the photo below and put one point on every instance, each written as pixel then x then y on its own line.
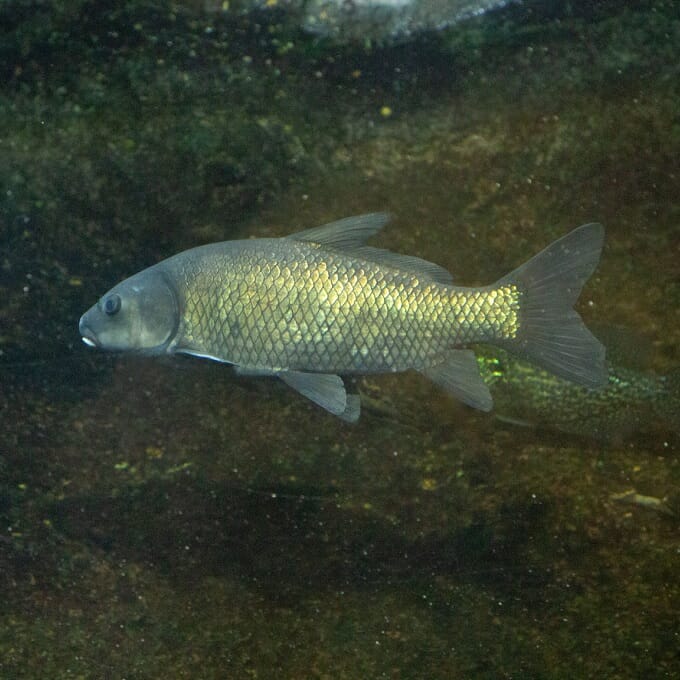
pixel 320 304
pixel 631 401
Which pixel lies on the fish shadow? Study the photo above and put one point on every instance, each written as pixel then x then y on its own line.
pixel 286 542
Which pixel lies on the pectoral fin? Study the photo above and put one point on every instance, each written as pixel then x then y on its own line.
pixel 326 390
pixel 200 355
pixel 458 373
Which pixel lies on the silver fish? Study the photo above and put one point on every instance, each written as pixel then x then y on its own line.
pixel 320 303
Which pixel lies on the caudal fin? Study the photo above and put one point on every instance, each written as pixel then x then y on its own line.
pixel 551 333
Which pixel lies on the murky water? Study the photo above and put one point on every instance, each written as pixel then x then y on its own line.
pixel 165 518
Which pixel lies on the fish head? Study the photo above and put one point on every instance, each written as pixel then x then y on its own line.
pixel 139 314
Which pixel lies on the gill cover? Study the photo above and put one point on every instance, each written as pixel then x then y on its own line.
pixel 140 313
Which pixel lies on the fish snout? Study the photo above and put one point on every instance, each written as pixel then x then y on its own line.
pixel 86 333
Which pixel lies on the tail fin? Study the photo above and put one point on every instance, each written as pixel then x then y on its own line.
pixel 551 334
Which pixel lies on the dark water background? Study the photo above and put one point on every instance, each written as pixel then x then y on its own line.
pixel 163 518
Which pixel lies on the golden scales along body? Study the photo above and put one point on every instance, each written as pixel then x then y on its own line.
pixel 320 303
pixel 296 306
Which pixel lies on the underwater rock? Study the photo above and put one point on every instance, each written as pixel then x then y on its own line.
pixel 388 19
pixel 380 20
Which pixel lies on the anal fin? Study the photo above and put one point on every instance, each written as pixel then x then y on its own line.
pixel 458 374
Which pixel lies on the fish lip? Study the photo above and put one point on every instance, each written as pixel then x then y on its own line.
pixel 87 336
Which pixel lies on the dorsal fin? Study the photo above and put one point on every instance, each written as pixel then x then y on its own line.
pixel 350 236
pixel 348 233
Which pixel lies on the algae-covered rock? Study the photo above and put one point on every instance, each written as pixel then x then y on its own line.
pixel 378 20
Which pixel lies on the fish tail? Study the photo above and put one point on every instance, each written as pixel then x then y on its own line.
pixel 551 334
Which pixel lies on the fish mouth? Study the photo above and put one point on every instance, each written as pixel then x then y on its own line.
pixel 87 336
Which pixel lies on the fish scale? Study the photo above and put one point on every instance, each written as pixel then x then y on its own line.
pixel 318 304
pixel 322 295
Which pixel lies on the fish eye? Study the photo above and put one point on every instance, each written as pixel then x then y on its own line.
pixel 112 304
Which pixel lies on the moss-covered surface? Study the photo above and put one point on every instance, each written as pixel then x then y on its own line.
pixel 167 519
